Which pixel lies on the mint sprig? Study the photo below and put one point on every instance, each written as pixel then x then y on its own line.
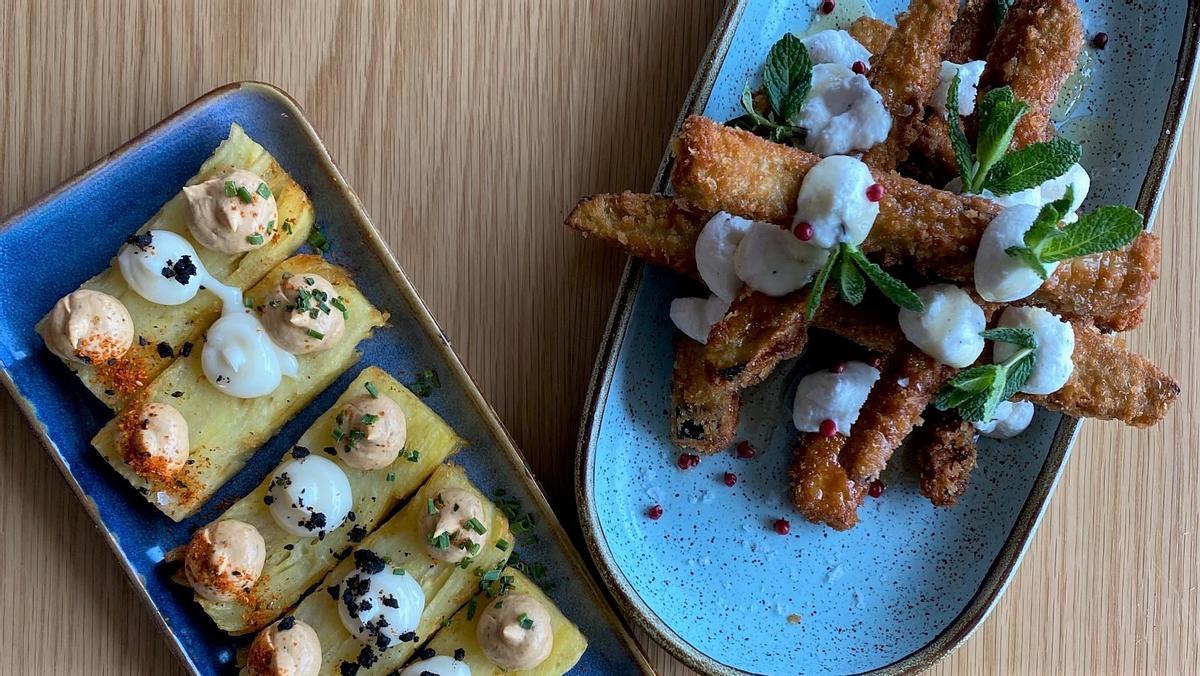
pixel 1002 7
pixel 851 270
pixel 787 80
pixel 977 392
pixel 990 166
pixel 1105 229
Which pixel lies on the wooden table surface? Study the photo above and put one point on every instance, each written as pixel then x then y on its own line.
pixel 469 129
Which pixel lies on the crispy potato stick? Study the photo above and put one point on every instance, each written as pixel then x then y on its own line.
pixel 1035 51
pixel 973 33
pixel 871 33
pixel 905 74
pixel 704 406
pixel 819 487
pixel 937 232
pixel 945 454
pixel 660 230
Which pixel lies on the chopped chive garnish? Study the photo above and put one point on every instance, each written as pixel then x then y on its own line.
pixel 491 575
pixel 442 541
pixel 230 189
pixel 466 563
pixel 243 194
pixel 524 621
pixel 397 571
pixel 371 389
pixel 255 239
pixel 370 419
pixel 286 275
pixel 338 434
pixel 337 303
pixel 391 476
pixel 502 545
pixel 248 302
pixel 471 609
pixel 270 227
pixel 475 525
pixel 357 435
pixel 310 281
pixel 430 507
pixel 264 191
pixel 474 547
pixel 412 456
pixel 313 333
pixel 287 225
pixel 317 240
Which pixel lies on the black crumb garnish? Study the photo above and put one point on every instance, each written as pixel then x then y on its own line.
pixel 382 642
pixel 460 654
pixel 145 423
pixel 141 241
pixel 177 394
pixel 111 361
pixel 348 669
pixel 181 270
pixel 427 653
pixel 342 554
pixel 357 534
pixel 287 622
pixel 368 561
pixel 333 591
pixel 142 342
pixel 408 636
pixel 164 350
pixel 111 393
pixel 366 657
pixel 330 450
pixel 186 349
pixel 268 499
pixel 316 521
pixel 351 515
pixel 289 546
pixel 390 601
pixel 299 452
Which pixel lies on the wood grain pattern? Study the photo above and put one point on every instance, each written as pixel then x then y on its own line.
pixel 469 129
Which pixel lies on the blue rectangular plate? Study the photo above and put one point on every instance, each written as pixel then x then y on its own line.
pixel 98 209
pixel 709 580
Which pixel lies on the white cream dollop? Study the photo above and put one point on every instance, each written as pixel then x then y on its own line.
pixel 310 496
pixel 1011 419
pixel 714 253
pixel 833 201
pixel 231 213
pixel 968 86
pixel 999 277
pixel 442 665
pixel 839 397
pixel 695 317
pixel 162 267
pixel 842 114
pixel 835 46
pixel 240 359
pixel 381 606
pixel 949 330
pixel 1055 347
pixel 771 260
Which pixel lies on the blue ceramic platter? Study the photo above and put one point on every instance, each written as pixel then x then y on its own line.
pixel 710 580
pixel 98 209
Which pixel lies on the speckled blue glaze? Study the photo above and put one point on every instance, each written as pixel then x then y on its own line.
pixel 710 577
pixel 97 212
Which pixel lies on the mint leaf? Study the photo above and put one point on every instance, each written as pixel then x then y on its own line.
pixel 1017 336
pixel 965 385
pixel 748 106
pixel 1017 375
pixel 895 290
pixel 851 284
pixel 1032 166
pixel 787 77
pixel 1105 229
pixel 1028 257
pixel 963 156
pixel 999 112
pixel 983 408
pixel 818 285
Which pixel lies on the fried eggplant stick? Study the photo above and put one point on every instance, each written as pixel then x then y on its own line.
pixel 871 33
pixel 946 453
pixel 1035 51
pixel 973 32
pixel 905 74
pixel 937 232
pixel 818 485
pixel 704 407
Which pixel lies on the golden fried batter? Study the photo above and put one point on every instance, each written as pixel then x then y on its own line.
pixel 819 487
pixel 871 33
pixel 659 230
pixel 909 382
pixel 906 73
pixel 973 32
pixel 1034 52
pixel 946 454
pixel 704 407
pixel 937 232
pixel 755 335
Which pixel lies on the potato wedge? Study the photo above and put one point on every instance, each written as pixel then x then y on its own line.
pixel 288 573
pixel 447 586
pixel 459 634
pixel 226 430
pixel 174 325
